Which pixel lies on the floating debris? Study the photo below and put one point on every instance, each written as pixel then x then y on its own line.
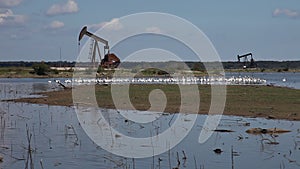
pixel 218 151
pixel 269 141
pixel 4 147
pixel 266 131
pixel 62 85
pixel 57 164
pixel 184 155
pixel 271 117
pixel 223 130
pixel 246 124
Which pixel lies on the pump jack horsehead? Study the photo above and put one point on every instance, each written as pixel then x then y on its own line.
pixel 110 60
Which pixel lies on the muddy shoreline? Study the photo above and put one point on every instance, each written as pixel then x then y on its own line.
pixel 248 101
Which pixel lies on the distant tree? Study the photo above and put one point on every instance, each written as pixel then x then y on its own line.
pixel 41 68
pixel 153 71
pixel 197 66
pixel 134 70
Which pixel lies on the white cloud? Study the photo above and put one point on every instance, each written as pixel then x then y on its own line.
pixel 286 12
pixel 55 25
pixel 153 29
pixel 58 9
pixel 114 24
pixel 19 35
pixel 8 18
pixel 9 3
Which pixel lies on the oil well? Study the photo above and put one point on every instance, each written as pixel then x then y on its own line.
pixel 110 60
pixel 246 62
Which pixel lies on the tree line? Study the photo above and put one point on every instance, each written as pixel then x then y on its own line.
pixel 197 66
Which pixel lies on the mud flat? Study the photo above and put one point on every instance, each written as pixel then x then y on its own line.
pixel 245 100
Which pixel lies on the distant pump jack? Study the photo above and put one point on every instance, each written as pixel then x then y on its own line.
pixel 245 56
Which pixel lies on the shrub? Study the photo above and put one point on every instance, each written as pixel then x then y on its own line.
pixel 41 68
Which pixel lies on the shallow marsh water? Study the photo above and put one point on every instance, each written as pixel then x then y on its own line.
pixel 58 145
pixel 59 141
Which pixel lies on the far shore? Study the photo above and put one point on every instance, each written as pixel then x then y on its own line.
pixel 25 72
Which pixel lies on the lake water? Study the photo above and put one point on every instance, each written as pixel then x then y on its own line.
pixel 59 141
pixel 292 79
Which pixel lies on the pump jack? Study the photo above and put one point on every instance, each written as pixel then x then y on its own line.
pixel 110 60
pixel 252 63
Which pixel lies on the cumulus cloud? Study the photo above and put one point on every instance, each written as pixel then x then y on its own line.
pixel 114 24
pixel 8 18
pixel 66 8
pixel 55 25
pixel 153 29
pixel 20 35
pixel 9 3
pixel 286 12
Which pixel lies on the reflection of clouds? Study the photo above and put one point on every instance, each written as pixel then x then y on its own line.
pixel 101 128
pixel 38 87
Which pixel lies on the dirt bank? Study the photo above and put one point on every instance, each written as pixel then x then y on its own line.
pixel 251 101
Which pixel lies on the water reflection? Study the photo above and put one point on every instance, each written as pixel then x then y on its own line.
pixel 286 79
pixel 59 140
pixel 40 87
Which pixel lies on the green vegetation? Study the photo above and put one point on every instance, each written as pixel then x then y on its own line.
pixel 65 69
pixel 253 101
pixel 41 69
pixel 153 72
pixel 15 71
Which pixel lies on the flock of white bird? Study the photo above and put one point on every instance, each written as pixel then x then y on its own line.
pixel 168 80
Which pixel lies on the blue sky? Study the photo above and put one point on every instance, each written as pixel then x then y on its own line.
pixel 33 30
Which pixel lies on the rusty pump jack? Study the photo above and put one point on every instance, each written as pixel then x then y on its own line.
pixel 110 60
pixel 252 63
